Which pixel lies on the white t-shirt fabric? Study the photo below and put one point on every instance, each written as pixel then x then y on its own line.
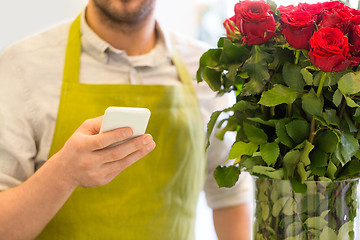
pixel 30 85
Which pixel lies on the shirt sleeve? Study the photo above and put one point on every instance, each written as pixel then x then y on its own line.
pixel 17 146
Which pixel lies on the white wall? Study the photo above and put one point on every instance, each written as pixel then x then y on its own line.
pixel 20 18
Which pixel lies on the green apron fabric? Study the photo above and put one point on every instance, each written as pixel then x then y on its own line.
pixel 156 197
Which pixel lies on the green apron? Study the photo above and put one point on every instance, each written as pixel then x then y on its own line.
pixel 156 197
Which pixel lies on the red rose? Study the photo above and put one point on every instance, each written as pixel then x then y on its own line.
pixel 286 9
pixel 229 27
pixel 354 39
pixel 332 5
pixel 255 21
pixel 329 50
pixel 314 9
pixel 298 27
pixel 336 18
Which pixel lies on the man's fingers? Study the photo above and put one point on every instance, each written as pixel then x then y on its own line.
pixel 122 150
pixel 105 139
pixel 91 126
pixel 115 167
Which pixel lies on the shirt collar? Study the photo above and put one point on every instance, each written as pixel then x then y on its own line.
pixel 103 51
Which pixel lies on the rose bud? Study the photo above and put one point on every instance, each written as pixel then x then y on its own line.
pixel 298 27
pixel 329 50
pixel 229 25
pixel 255 21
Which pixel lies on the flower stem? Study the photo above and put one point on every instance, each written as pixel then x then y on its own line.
pixel 343 105
pixel 321 84
pixel 297 55
pixel 318 93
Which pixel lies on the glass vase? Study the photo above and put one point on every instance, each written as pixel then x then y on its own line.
pixel 328 210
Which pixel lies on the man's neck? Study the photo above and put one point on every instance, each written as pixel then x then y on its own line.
pixel 135 39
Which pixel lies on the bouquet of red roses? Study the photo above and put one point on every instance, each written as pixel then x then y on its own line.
pixel 329 46
pixel 295 73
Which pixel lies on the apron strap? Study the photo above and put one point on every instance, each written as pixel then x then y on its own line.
pixel 73 52
pixel 182 70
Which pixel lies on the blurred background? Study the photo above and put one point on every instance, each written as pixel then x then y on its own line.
pixel 200 19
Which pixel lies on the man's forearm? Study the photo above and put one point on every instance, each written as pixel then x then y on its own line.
pixel 233 223
pixel 26 209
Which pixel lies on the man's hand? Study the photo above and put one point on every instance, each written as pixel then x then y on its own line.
pixel 83 161
pixel 86 159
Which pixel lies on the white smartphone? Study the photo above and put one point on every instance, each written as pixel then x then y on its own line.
pixel 117 117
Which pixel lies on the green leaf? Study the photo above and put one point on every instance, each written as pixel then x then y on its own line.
pixel 350 124
pixel 290 161
pixel 318 171
pixel 209 59
pixel 293 229
pixel 328 234
pixel 331 118
pixel 212 78
pixel 308 77
pixel 331 170
pixel 226 176
pixel 290 207
pixel 298 130
pixel 270 152
pixel 297 186
pixel 312 104
pixel 324 213
pixel 345 230
pixel 351 102
pixel 270 123
pixel 278 206
pixel 242 148
pixel 256 64
pixel 230 78
pixel 337 97
pixel 301 171
pixel 277 95
pixel 210 126
pixel 232 53
pixel 251 162
pixel 268 171
pixel 304 158
pixel 292 76
pixel 254 134
pixel 316 223
pixel 265 211
pixel 252 87
pixel 327 141
pixel 311 202
pixel 300 236
pixel 350 169
pixel 282 134
pixel 220 42
pixel 349 83
pixel 318 158
pixel 240 106
pixel 349 146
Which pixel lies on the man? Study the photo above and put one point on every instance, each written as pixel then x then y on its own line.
pixel 116 55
